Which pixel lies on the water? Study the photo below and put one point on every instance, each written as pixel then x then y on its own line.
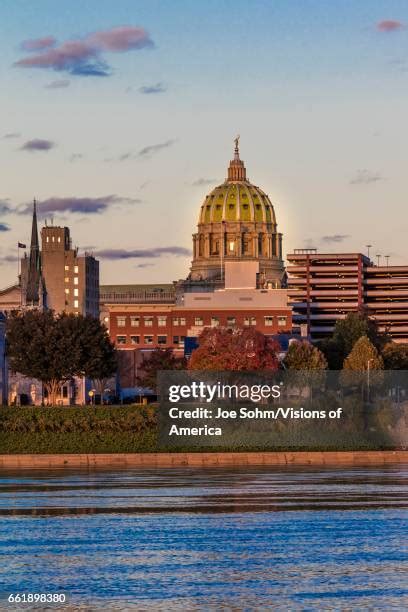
pixel 185 539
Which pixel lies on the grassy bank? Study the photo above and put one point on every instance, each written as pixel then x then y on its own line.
pixel 133 429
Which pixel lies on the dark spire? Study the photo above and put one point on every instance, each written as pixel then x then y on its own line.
pixel 34 264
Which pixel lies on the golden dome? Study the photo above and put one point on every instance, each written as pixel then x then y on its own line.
pixel 237 199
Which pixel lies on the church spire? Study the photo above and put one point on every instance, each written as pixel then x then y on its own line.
pixel 34 264
pixel 236 170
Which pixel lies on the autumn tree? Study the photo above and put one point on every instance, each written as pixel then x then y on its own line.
pixel 55 348
pixel 363 365
pixel 154 362
pixel 234 349
pixel 304 356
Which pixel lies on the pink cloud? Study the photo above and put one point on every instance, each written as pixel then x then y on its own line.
pixel 84 57
pixel 38 44
pixel 389 25
pixel 120 39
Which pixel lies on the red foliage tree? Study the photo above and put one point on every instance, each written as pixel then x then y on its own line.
pixel 234 349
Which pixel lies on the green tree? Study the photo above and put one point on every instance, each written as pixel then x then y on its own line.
pixel 395 356
pixel 159 359
pixel 98 354
pixel 234 349
pixel 55 348
pixel 346 333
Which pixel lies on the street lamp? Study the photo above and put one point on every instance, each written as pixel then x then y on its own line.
pixel 368 378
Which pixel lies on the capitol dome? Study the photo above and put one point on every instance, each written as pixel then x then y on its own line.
pixel 237 222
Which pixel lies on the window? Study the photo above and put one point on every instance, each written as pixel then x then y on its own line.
pixel 66 268
pixel 59 238
pixel 281 321
pixel 161 321
pixel 76 304
pixel 249 321
pixel 134 321
pixel 67 279
pixel 231 321
pixel 121 321
pixel 176 321
pixel 161 339
pixel 76 292
pixel 268 321
pixel 148 321
pixel 198 321
pixel 134 339
pixel 231 207
pixel 245 207
pixel 148 339
pixel 67 291
pixel 76 269
pixel 182 338
pixel 120 339
pixel 231 245
pixel 215 321
pixel 76 280
pixel 182 320
pixel 176 339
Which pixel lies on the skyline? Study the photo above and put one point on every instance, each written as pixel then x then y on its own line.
pixel 119 118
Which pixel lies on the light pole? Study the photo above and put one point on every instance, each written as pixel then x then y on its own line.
pixel 368 250
pixel 368 379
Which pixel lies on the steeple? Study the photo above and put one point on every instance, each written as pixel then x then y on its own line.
pixel 236 170
pixel 34 264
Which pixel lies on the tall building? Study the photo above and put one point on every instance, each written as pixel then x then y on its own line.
pixel 56 276
pixel 237 222
pixel 325 287
pixel 71 280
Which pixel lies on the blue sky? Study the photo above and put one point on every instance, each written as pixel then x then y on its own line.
pixel 317 90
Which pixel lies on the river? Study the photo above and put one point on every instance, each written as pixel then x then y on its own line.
pixel 188 539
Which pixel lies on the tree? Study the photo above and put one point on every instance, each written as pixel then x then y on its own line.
pixel 346 333
pixel 363 357
pixel 54 349
pixel 98 353
pixel 159 359
pixel 304 356
pixel 234 349
pixel 395 356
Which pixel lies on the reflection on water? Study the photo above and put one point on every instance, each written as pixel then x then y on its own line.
pixel 202 539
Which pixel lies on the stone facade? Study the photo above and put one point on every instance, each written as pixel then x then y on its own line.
pixel 237 222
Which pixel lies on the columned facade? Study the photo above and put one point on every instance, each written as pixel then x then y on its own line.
pixel 237 223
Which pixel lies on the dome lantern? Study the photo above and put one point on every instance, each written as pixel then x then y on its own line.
pixel 236 170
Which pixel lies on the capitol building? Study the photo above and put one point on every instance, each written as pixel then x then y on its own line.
pixel 237 223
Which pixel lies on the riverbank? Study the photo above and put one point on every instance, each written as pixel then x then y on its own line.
pixel 151 460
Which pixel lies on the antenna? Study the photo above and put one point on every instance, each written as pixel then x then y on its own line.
pixel 368 250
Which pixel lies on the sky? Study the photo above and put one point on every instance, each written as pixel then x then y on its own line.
pixel 119 117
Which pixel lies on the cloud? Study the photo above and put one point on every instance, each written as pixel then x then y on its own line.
pixel 5 207
pixel 8 258
pixel 86 206
pixel 38 44
pixel 203 182
pixel 150 150
pixel 335 238
pixel 365 177
pixel 153 89
pixel 59 84
pixel 75 156
pixel 145 153
pixel 38 144
pixel 114 254
pixel 4 227
pixel 389 25
pixel 11 135
pixel 144 265
pixel 84 57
